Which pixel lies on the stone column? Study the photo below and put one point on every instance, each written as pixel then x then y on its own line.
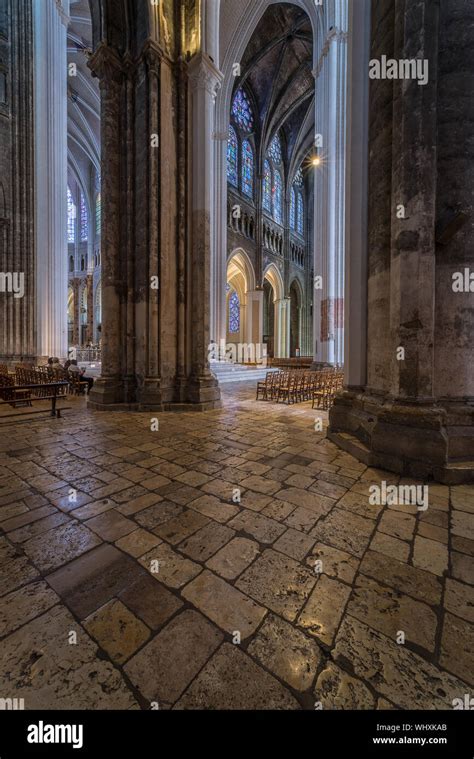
pixel 17 203
pixel 204 80
pixel 90 308
pixel 50 71
pixel 219 255
pixel 330 75
pixel 108 389
pixel 357 147
pixel 404 420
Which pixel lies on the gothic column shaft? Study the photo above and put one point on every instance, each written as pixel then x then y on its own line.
pixel 51 178
pixel 414 165
pixel 204 80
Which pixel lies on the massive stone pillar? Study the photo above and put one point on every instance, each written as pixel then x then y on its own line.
pixel 50 119
pixel 329 196
pixel 157 149
pixel 219 254
pixel 204 80
pixel 415 415
pixel 17 212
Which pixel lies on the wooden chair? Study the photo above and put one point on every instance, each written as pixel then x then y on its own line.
pixel 77 385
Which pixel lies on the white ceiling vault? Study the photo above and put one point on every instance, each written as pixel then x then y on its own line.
pixel 83 99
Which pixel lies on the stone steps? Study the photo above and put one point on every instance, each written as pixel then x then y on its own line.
pixel 227 372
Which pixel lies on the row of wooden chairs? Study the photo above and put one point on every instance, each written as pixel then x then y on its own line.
pixel 298 385
pixel 330 384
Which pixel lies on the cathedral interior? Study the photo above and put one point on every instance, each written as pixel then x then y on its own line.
pixel 247 226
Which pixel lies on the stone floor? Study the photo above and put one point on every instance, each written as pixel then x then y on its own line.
pixel 230 559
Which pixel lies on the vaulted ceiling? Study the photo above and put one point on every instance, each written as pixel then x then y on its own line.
pixel 83 95
pixel 277 69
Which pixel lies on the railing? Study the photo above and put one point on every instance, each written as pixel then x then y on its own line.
pixel 86 355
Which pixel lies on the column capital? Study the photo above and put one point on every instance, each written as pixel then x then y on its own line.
pixel 334 35
pixel 105 63
pixel 203 74
pixel 62 6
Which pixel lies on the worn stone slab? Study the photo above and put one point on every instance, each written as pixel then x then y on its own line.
pixel 212 507
pixel 181 527
pixel 233 558
pixel 343 530
pixel 430 555
pixel 138 542
pixel 171 660
pixel 111 526
pixel 390 546
pixel 157 514
pixel 150 601
pixel 90 581
pixel 457 648
pixel 422 585
pixel 319 504
pixel 286 652
pixel 25 604
pixel 230 609
pixel 41 666
pixel 462 567
pixel 336 689
pixel 394 671
pixel 231 680
pixel 258 526
pixel 277 582
pixel 207 541
pixel 295 544
pixel 390 612
pixel 58 546
pixel 324 609
pixel 116 630
pixel 173 569
pixel 459 599
pixel 333 562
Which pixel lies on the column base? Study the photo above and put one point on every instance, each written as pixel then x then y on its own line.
pixel 110 394
pixel 204 392
pixel 425 440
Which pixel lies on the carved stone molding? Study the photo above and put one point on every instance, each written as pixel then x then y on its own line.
pixel 65 18
pixel 204 75
pixel 335 35
pixel 106 64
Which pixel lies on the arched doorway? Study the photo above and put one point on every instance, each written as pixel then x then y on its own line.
pixel 269 318
pixel 243 307
pixel 296 305
pixel 281 312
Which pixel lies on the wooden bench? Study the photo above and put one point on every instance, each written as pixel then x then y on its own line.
pixel 15 394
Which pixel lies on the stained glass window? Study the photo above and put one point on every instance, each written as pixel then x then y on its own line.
pixel 274 150
pixel 71 218
pixel 98 214
pixel 300 214
pixel 232 157
pixel 234 313
pixel 267 187
pixel 247 168
pixel 242 111
pixel 293 209
pixel 298 180
pixel 84 220
pixel 277 198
